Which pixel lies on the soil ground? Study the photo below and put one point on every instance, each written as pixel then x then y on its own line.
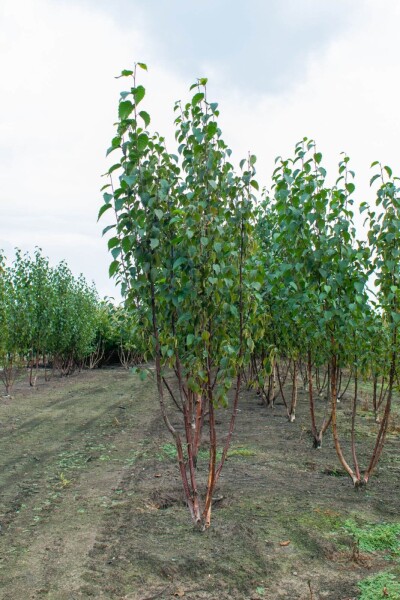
pixel 91 503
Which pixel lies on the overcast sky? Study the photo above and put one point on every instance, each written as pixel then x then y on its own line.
pixel 280 70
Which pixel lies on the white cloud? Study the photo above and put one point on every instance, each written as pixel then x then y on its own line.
pixel 348 101
pixel 59 97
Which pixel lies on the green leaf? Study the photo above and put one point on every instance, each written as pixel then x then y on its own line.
pixel 125 73
pixel 154 242
pixel 124 109
pixel 212 129
pixel 179 261
pixel 113 268
pixel 142 141
pixel 217 269
pixel 108 228
pixel 103 210
pixel 114 168
pixel 114 241
pixel 190 339
pixel 250 344
pixel 129 179
pixel 359 286
pixel 138 94
pixel 318 157
pixel 388 170
pixel 142 66
pixel 197 98
pixel 374 178
pixel 146 117
pixel 126 244
pixel 254 184
pixel 115 143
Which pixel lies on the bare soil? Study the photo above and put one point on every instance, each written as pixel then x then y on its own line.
pixel 91 503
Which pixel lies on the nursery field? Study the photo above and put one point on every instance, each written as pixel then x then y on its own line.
pixel 91 503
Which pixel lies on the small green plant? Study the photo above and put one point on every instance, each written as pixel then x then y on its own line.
pixel 383 585
pixel 260 590
pixel 170 450
pixel 376 537
pixel 71 460
pixel 64 482
pixel 242 451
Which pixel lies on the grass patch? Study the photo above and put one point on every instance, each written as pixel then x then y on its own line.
pixel 380 537
pixel 324 520
pixel 71 460
pixel 241 451
pixel 383 585
pixel 169 450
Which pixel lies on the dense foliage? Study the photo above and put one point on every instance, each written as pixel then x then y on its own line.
pixel 227 286
pixel 182 251
pixel 49 318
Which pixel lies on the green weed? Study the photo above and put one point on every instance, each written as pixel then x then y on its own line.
pixel 325 520
pixel 241 451
pixel 376 537
pixel 170 451
pixel 71 460
pixel 383 585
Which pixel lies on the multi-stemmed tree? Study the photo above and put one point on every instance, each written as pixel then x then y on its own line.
pixel 181 244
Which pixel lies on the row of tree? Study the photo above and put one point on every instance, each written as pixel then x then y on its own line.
pixel 49 318
pixel 238 286
pixel 333 298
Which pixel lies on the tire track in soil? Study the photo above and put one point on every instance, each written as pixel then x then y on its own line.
pixel 110 571
pixel 142 551
pixel 50 555
pixel 124 547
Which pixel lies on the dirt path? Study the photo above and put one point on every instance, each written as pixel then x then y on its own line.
pixel 91 506
pixel 64 449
